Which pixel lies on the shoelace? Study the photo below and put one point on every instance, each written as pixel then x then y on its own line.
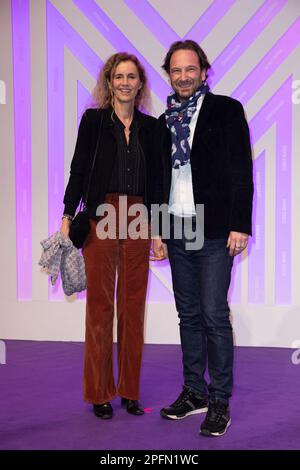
pixel 216 411
pixel 185 394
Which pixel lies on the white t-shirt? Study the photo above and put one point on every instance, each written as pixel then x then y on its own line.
pixel 181 201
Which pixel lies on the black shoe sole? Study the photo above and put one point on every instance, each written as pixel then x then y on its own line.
pixel 104 412
pixel 104 417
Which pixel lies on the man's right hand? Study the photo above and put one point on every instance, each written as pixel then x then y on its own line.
pixel 159 250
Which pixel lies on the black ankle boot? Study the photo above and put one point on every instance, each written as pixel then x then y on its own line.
pixel 132 406
pixel 104 411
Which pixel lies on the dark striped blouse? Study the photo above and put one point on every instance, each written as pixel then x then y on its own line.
pixel 128 176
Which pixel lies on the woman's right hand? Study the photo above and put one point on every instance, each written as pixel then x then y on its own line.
pixel 65 227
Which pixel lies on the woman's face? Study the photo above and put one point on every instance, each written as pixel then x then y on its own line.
pixel 126 82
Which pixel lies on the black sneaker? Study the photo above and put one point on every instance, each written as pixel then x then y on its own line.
pixel 188 403
pixel 217 419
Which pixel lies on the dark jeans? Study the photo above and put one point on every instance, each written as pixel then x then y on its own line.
pixel 201 280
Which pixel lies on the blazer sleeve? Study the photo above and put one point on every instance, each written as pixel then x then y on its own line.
pixel 79 167
pixel 158 161
pixel 240 170
pixel 161 187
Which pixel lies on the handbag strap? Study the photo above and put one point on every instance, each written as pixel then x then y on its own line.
pixel 84 202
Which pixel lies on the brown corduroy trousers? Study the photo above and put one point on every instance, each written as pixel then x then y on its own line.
pixel 129 258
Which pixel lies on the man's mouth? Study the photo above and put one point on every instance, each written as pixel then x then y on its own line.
pixel 184 85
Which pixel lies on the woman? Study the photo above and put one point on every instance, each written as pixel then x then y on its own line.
pixel 122 168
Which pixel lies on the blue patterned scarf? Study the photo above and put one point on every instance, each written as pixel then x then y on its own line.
pixel 178 118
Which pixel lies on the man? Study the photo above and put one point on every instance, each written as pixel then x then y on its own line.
pixel 203 157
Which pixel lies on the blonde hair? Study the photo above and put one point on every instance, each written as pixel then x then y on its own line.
pixel 102 94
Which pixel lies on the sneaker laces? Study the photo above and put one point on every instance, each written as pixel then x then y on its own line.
pixel 216 411
pixel 185 394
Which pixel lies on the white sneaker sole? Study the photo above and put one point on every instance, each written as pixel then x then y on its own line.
pixel 194 412
pixel 215 434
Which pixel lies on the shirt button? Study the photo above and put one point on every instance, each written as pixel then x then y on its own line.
pixel 128 186
pixel 128 151
pixel 128 169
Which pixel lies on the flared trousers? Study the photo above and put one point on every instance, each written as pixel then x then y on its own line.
pixel 114 265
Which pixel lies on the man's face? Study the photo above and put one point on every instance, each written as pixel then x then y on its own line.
pixel 185 73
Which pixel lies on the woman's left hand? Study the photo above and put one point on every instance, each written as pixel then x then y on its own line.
pixel 158 250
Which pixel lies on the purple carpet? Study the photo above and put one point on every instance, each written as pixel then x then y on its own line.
pixel 41 403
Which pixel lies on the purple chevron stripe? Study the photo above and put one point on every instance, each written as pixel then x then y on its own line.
pixel 22 124
pixel 121 43
pixel 156 291
pixel 83 100
pixel 246 36
pixel 278 110
pixel 256 261
pixel 209 19
pixel 266 67
pixel 153 21
pixel 165 34
pixel 59 35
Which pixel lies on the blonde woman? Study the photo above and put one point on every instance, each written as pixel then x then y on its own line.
pixel 122 168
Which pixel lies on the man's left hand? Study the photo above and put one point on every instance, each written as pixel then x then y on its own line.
pixel 237 242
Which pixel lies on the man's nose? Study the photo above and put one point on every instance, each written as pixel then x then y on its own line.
pixel 183 75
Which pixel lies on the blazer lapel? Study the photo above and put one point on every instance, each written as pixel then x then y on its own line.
pixel 204 113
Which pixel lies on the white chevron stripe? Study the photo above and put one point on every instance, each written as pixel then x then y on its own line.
pixel 180 15
pixel 135 31
pixel 257 50
pixel 227 28
pixel 85 28
pixel 39 146
pixel 8 275
pixel 268 143
pixel 73 71
pixel 271 86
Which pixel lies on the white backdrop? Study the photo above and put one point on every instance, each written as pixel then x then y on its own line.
pixel 51 51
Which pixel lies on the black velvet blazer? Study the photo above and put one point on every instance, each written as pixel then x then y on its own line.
pixel 107 153
pixel 221 163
